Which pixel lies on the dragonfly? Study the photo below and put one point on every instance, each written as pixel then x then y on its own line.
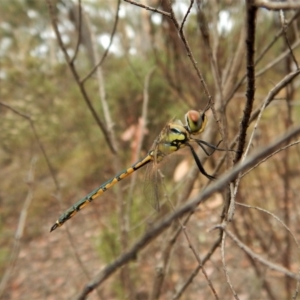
pixel 173 137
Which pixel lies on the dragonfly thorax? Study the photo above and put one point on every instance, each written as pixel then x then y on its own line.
pixel 173 138
pixel 177 137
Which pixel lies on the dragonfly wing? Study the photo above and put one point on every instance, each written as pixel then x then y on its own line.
pixel 169 141
pixel 153 186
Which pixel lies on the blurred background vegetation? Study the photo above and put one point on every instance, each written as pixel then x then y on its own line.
pixel 36 81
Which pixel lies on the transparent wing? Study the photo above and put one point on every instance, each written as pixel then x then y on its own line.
pixel 154 189
pixel 153 186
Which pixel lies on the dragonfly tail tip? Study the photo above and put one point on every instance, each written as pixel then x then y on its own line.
pixel 53 227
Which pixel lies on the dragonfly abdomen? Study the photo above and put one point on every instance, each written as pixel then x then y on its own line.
pixel 98 191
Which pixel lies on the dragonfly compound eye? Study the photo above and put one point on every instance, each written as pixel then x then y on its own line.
pixel 196 121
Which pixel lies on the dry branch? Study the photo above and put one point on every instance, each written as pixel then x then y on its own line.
pixel 272 5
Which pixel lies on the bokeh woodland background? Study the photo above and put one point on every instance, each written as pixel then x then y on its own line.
pixel 67 126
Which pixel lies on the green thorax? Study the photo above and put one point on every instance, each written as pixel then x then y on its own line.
pixel 172 138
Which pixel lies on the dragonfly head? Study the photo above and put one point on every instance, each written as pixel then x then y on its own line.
pixel 195 121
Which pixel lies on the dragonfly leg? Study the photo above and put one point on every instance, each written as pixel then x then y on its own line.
pixel 200 142
pixel 197 160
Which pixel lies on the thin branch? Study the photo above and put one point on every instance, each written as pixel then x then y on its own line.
pixel 273 216
pixel 277 36
pixel 186 15
pixel 204 29
pixel 276 5
pixel 203 25
pixel 260 259
pixel 79 32
pixel 212 250
pixel 14 254
pixel 225 268
pixel 200 262
pixel 101 86
pixel 82 81
pixel 284 27
pixel 266 102
pixel 269 156
pixel 277 59
pixel 275 90
pixel 149 8
pixel 234 68
pixel 189 53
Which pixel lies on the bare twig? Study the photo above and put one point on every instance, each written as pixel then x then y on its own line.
pixel 79 33
pixel 257 257
pixel 200 263
pixel 278 59
pixel 196 271
pixel 277 36
pixel 284 27
pixel 273 216
pixel 186 15
pixel 203 25
pixel 234 67
pixel 272 5
pixel 20 230
pixel 82 81
pixel 101 86
pixel 189 52
pixel 269 156
pixel 225 268
pixel 273 92
pixel 149 8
